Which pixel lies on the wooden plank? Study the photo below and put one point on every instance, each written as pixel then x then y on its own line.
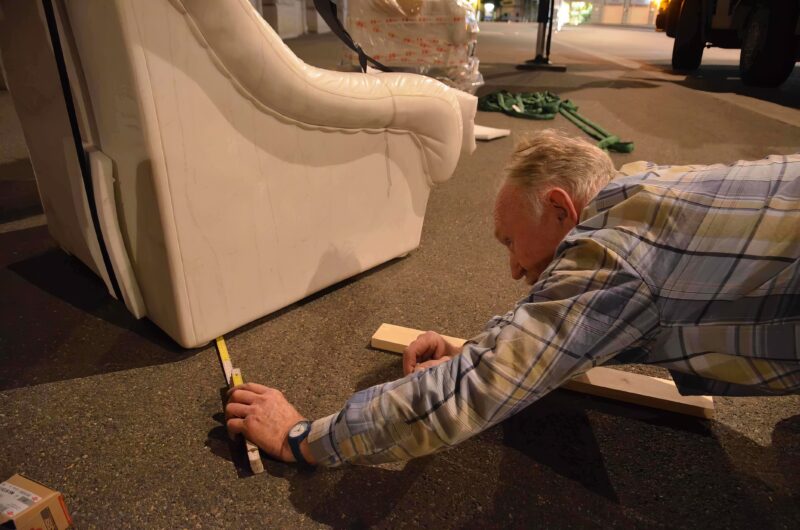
pixel 639 389
pixel 395 338
pixel 603 382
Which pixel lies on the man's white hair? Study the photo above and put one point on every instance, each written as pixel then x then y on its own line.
pixel 549 158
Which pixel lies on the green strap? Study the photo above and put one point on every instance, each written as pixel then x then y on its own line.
pixel 545 106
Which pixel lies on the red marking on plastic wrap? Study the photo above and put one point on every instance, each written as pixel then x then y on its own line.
pixel 360 24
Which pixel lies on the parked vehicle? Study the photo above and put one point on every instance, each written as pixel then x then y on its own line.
pixel 766 31
pixel 661 15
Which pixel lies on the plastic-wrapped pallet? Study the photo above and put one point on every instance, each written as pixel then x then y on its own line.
pixel 431 37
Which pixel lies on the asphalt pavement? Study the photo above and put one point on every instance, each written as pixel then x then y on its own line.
pixel 128 425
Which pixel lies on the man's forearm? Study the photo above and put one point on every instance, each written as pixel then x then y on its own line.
pixel 433 409
pixel 563 328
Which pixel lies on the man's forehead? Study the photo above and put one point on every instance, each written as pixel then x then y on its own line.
pixel 508 201
pixel 504 195
pixel 504 206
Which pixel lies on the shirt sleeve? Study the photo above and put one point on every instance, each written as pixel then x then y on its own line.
pixel 587 306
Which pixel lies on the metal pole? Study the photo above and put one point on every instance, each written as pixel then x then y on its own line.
pixel 543 36
pixel 540 34
pixel 550 29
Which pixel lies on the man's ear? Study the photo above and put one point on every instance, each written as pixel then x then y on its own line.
pixel 561 200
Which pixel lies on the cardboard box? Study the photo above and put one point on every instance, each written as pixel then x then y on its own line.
pixel 28 505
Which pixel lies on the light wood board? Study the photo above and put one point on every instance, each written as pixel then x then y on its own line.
pixel 604 382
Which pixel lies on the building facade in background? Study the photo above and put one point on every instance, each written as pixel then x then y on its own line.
pixel 627 12
pixel 292 18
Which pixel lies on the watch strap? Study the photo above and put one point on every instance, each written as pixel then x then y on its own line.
pixel 294 442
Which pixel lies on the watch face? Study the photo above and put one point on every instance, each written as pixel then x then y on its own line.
pixel 298 429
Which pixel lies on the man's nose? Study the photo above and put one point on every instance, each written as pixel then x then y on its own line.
pixel 517 271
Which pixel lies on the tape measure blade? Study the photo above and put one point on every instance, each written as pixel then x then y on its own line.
pixel 256 465
pixel 222 348
pixel 236 377
pixel 227 368
pixel 224 359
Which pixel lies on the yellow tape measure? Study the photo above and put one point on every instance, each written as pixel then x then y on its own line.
pixel 233 377
pixel 222 348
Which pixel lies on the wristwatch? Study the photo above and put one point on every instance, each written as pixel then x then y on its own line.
pixel 297 434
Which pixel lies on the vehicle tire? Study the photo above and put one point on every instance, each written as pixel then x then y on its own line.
pixel 767 56
pixel 661 21
pixel 687 50
pixel 672 12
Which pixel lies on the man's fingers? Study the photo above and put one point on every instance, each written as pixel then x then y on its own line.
pixel 431 363
pixel 434 345
pixel 251 387
pixel 412 353
pixel 235 426
pixel 265 422
pixel 236 410
pixel 429 345
pixel 241 395
pixel 441 348
pixel 409 360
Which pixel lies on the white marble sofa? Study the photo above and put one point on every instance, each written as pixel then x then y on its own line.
pixel 229 178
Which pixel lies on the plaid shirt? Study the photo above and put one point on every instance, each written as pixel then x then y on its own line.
pixel 696 269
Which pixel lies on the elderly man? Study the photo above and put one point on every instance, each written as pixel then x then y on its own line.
pixel 693 269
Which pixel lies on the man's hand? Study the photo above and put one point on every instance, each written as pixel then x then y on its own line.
pixel 428 350
pixel 264 417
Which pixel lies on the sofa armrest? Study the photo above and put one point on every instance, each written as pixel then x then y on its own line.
pixel 262 68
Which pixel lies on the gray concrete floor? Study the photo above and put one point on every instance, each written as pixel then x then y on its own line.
pixel 128 425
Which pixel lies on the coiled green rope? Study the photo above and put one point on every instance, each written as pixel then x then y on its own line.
pixel 545 106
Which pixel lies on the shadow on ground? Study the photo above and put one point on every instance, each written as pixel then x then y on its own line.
pixel 69 326
pixel 62 323
pixel 499 76
pixel 566 458
pixel 551 468
pixel 725 78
